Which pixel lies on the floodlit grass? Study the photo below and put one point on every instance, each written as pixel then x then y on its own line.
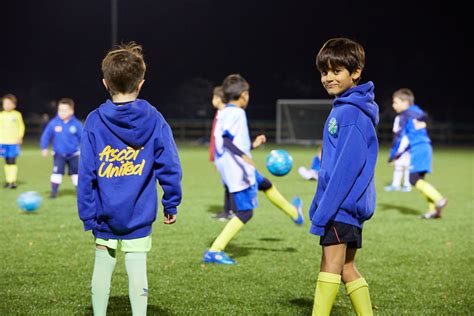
pixel 413 266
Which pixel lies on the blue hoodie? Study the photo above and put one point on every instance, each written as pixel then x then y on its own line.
pixel 346 189
pixel 407 128
pixel 124 150
pixel 66 136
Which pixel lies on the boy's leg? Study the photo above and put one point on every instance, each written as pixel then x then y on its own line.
pixel 231 230
pixel 406 177
pixel 57 175
pixel 104 266
pixel 11 171
pixel 245 201
pixel 329 278
pixel 73 166
pixel 430 192
pixel 397 176
pixel 135 264
pixel 294 212
pixel 356 287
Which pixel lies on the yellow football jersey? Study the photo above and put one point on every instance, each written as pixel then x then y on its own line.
pixel 12 127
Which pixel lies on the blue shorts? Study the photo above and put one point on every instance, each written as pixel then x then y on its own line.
pixel 258 177
pixel 61 160
pixel 246 200
pixel 9 151
pixel 421 156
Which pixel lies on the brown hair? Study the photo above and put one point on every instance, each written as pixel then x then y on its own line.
pixel 341 52
pixel 123 68
pixel 405 94
pixel 217 91
pixel 67 101
pixel 233 86
pixel 10 97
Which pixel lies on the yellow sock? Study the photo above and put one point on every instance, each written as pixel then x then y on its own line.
pixel 428 190
pixel 278 200
pixel 431 204
pixel 358 291
pixel 230 230
pixel 11 172
pixel 326 291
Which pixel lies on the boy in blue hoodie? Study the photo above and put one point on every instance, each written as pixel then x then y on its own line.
pixel 413 128
pixel 65 131
pixel 126 146
pixel 345 196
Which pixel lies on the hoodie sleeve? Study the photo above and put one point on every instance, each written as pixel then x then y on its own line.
pixel 46 136
pixel 351 153
pixel 168 170
pixel 86 182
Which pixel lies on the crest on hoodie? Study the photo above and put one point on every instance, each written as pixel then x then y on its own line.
pixel 332 126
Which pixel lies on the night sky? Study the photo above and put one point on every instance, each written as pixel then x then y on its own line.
pixel 53 49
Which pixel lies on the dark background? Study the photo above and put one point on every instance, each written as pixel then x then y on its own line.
pixel 53 49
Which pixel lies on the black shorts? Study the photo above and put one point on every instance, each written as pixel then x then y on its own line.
pixel 340 233
pixel 60 162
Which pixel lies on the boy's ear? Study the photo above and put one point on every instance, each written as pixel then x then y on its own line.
pixel 245 95
pixel 356 74
pixel 140 84
pixel 105 84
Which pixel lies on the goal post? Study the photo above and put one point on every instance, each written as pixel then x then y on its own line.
pixel 301 121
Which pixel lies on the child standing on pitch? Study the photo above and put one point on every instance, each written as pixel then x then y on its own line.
pixel 65 131
pixel 293 210
pixel 414 128
pixel 219 104
pixel 400 155
pixel 12 130
pixel 345 196
pixel 126 146
pixel 236 168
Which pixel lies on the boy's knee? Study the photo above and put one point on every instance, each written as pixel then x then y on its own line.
pixel 245 216
pixel 264 185
pixel 110 251
pixel 414 177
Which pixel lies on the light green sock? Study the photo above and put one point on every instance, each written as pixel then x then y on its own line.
pixel 135 264
pixel 103 267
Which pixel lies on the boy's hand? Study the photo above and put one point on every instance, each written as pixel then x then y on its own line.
pixel 419 124
pixel 169 219
pixel 20 141
pixel 44 152
pixel 248 160
pixel 259 140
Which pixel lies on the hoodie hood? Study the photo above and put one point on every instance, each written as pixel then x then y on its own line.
pixel 133 122
pixel 361 96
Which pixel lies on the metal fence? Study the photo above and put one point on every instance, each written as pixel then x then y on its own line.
pixel 199 130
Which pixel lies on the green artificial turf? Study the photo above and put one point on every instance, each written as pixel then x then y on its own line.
pixel 413 266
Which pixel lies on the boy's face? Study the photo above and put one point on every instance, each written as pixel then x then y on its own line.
pixel 65 111
pixel 217 102
pixel 8 105
pixel 245 98
pixel 400 105
pixel 336 81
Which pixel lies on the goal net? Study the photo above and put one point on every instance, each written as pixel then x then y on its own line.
pixel 301 121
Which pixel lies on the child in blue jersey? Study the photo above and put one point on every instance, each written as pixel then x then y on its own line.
pixel 126 147
pixel 413 128
pixel 345 196
pixel 234 162
pixel 65 132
